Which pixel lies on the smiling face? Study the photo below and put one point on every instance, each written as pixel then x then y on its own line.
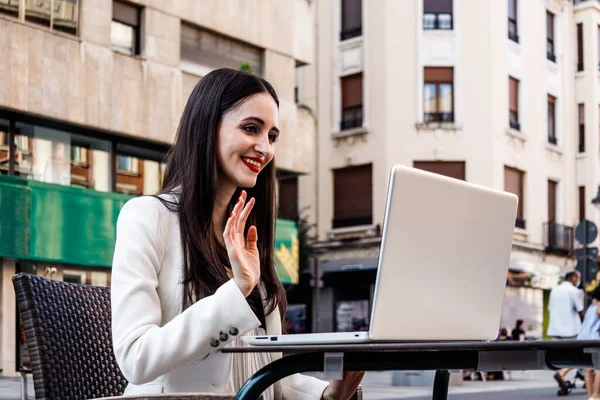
pixel 246 140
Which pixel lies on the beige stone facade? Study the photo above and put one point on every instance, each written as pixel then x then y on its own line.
pixel 81 79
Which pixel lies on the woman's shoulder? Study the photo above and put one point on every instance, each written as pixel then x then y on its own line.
pixel 148 208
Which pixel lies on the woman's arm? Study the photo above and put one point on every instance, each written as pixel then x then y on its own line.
pixel 144 349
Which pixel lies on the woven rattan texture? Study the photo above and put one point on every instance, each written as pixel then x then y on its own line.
pixel 68 331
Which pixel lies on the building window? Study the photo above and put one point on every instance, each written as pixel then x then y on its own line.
pixel 581 203
pixel 437 14
pixel 513 103
pixel 288 196
pixel 452 169
pixel 550 37
pixel 59 15
pixel 202 51
pixel 599 47
pixel 579 47
pixel 513 183
pixel 125 28
pixel 351 19
pixel 10 7
pixel 352 196
pixel 581 111
pixel 352 102
pixel 81 166
pixel 552 119
pixel 513 32
pixel 552 200
pixel 438 94
pixel 138 171
pixel 61 157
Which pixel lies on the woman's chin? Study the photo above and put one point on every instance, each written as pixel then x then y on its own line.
pixel 246 182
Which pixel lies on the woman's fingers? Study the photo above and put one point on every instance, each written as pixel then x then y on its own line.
pixel 241 225
pixel 252 239
pixel 237 209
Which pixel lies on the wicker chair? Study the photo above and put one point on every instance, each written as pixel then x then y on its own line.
pixel 67 327
pixel 68 331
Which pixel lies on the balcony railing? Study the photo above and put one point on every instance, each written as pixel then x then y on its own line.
pixel 520 223
pixel 350 33
pixel 579 66
pixel 558 238
pixel 552 139
pixel 438 117
pixel 514 119
pixel 512 30
pixel 352 117
pixel 442 21
pixel 353 221
pixel 581 138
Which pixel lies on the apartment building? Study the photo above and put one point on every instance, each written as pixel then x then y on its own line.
pixel 503 94
pixel 91 92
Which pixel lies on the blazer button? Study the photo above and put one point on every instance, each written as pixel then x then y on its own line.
pixel 214 343
pixel 223 336
pixel 233 331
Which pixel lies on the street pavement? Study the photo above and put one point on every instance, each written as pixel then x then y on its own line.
pixel 377 386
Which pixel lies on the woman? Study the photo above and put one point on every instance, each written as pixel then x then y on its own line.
pixel 589 331
pixel 518 333
pixel 189 275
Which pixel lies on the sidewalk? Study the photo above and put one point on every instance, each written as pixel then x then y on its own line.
pixel 376 386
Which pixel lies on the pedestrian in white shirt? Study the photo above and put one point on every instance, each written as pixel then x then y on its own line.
pixel 566 312
pixel 193 267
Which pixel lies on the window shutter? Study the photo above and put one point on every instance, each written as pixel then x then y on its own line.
pixel 352 94
pixel 437 6
pixel 126 14
pixel 439 74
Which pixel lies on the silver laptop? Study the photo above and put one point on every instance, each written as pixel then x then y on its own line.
pixel 442 265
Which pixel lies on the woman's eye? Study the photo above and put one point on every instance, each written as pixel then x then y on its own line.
pixel 251 128
pixel 273 137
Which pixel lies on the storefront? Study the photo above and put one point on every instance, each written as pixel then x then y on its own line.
pixel 61 189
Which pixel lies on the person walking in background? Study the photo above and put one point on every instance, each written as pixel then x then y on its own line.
pixel 518 333
pixel 589 331
pixel 566 311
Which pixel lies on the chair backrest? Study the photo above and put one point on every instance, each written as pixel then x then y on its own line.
pixel 68 332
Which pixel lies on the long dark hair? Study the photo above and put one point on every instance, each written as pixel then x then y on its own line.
pixel 191 175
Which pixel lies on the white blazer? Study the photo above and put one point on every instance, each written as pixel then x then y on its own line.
pixel 159 348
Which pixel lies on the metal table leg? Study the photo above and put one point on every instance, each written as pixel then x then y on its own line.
pixel 440 384
pixel 286 366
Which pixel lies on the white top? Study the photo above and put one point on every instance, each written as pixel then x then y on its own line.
pixel 159 347
pixel 565 303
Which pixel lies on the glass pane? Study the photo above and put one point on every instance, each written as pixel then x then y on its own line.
pixel 90 163
pixel 430 105
pixel 10 7
pixel 38 11
pixel 64 16
pixel 122 37
pixel 138 176
pixel 55 156
pixel 4 149
pixel 43 154
pixel 429 21
pixel 445 21
pixel 446 98
pixel 551 120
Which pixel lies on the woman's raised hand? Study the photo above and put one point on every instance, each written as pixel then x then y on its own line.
pixel 245 261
